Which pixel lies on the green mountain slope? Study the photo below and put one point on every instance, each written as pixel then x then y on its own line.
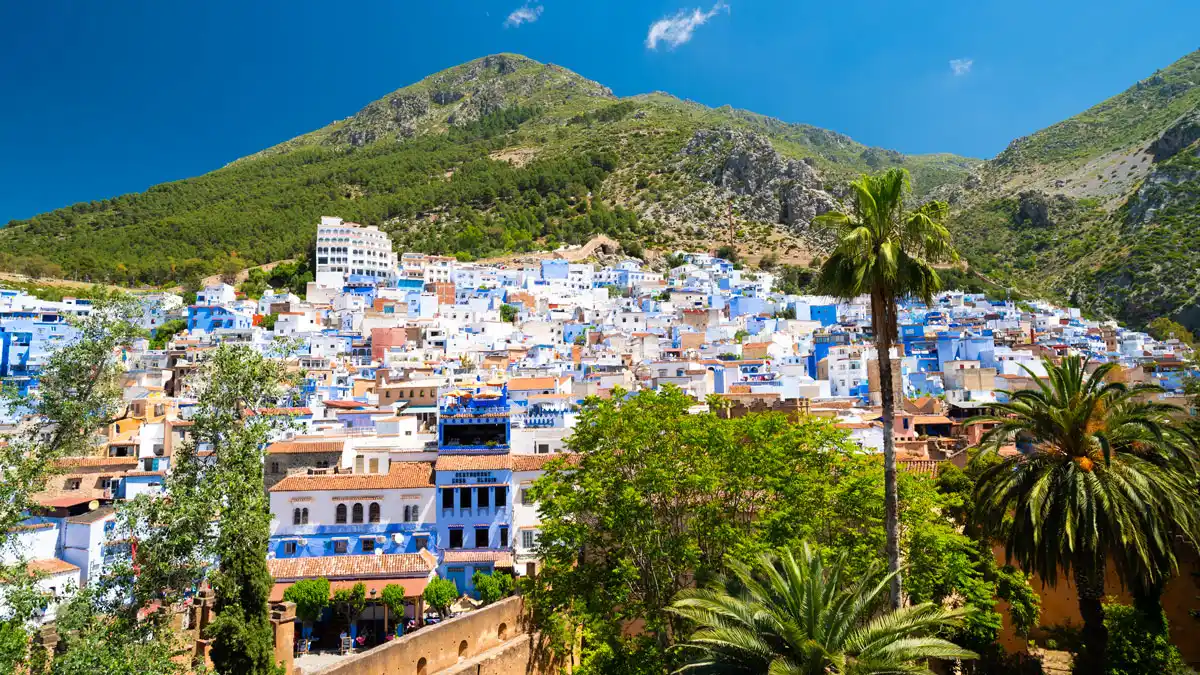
pixel 497 155
pixel 1100 209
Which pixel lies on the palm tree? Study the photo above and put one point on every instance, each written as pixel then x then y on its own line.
pixel 888 253
pixel 785 616
pixel 1109 479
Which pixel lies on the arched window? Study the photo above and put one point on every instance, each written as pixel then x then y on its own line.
pixel 295 516
pixel 357 513
pixel 304 517
pixel 373 512
pixel 341 513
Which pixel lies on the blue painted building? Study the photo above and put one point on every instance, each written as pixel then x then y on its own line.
pixel 208 318
pixel 474 472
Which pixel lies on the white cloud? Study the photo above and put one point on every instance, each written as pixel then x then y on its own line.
pixel 523 14
pixel 678 29
pixel 961 67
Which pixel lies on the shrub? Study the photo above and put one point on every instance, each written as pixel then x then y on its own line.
pixel 1139 644
pixel 492 587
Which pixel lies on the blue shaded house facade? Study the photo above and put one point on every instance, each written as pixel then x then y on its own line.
pixel 474 472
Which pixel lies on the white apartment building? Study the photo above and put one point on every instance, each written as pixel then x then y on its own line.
pixel 349 248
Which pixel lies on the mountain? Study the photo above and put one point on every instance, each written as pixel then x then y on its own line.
pixel 498 155
pixel 1102 209
pixel 505 155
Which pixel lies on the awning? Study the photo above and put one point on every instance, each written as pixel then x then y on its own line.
pixel 413 587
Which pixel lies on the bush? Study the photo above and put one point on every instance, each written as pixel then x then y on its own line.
pixel 1139 644
pixel 492 587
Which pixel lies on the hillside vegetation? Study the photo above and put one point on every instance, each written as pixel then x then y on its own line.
pixel 502 154
pixel 1102 209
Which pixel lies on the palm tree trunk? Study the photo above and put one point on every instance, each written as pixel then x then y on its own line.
pixel 882 312
pixel 1089 584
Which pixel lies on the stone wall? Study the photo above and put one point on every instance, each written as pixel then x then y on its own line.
pixel 495 636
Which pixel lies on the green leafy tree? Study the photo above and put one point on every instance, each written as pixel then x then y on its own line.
pixel 216 523
pixel 98 633
pixel 1109 480
pixel 886 252
pixel 79 391
pixel 492 587
pixel 311 597
pixel 788 614
pixel 508 313
pixel 1164 328
pixel 268 321
pixel 234 380
pixel 728 252
pixel 440 594
pixel 393 597
pixel 350 602
pixel 163 334
pixel 656 497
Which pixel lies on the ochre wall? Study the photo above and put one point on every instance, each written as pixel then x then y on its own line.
pixel 445 645
pixel 1060 606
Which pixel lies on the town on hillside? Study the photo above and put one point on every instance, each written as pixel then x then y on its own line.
pixel 431 395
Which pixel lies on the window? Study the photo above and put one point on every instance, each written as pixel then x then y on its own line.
pixel 323 464
pixel 289 548
pixel 456 538
pixel 359 464
pixel 420 543
pixel 274 467
pixel 73 483
pixel 341 514
pixel 501 496
pixel 543 448
pixel 340 546
pixel 295 516
pixel 368 545
pixel 373 513
pixel 356 513
pixel 304 516
pixel 528 538
pixel 464 497
pixel 447 498
pixel 526 497
pixel 481 537
pixel 503 536
pixel 412 513
pixel 148 464
pixel 374 464
pixel 483 497
pixel 106 483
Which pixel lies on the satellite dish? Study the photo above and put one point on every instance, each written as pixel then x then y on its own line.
pixel 93 505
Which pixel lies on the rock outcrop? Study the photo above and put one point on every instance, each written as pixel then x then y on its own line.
pixel 763 185
pixel 1181 134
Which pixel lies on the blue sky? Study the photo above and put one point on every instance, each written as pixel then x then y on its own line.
pixel 103 98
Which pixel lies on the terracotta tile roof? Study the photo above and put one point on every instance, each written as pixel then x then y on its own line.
pixel 414 587
pixel 931 419
pixel 31 526
pixel 474 462
pixel 532 383
pixel 295 447
pixel 344 405
pixel 282 411
pixel 498 557
pixel 67 462
pixel 351 566
pixel 63 501
pixel 537 462
pixel 400 475
pixel 50 566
